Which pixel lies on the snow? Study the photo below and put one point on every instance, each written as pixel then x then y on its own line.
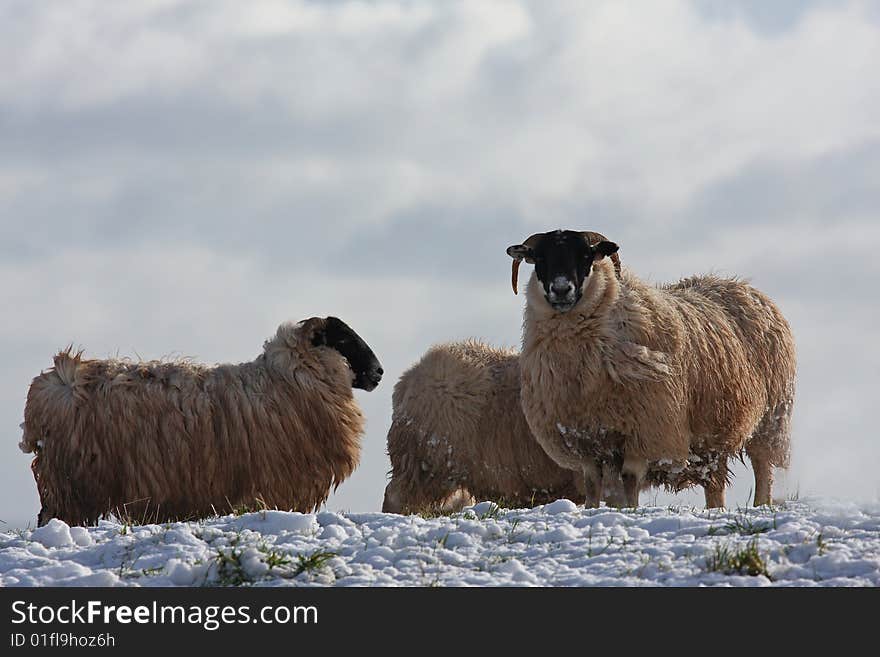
pixel 560 506
pixel 803 543
pixel 54 534
pixel 483 509
pixel 273 522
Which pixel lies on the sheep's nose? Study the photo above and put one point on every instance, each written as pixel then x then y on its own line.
pixel 561 288
pixel 380 371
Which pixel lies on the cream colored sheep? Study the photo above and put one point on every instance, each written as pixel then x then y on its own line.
pixel 171 440
pixel 680 377
pixel 458 431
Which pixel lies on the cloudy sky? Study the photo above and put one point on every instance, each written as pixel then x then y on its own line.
pixel 180 177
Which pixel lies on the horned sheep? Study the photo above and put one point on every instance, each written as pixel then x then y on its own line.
pixel 669 381
pixel 166 440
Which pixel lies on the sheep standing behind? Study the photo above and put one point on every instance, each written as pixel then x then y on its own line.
pixel 681 376
pixel 171 440
pixel 458 428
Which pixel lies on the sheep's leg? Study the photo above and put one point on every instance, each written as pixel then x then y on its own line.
pixel 593 484
pixel 612 486
pixel 633 474
pixel 578 481
pixel 392 502
pixel 456 501
pixel 714 496
pixel 763 479
pixel 770 447
pixel 715 489
pixel 406 499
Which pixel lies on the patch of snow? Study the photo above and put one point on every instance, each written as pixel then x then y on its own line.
pixel 812 543
pixel 276 522
pixel 333 532
pixel 560 506
pixel 54 534
pixel 179 572
pixel 456 540
pixel 483 508
pixel 81 536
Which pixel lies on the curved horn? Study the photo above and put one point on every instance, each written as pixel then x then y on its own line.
pixel 593 239
pixel 531 243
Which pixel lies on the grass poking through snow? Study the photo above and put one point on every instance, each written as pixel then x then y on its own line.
pixel 312 562
pixel 731 559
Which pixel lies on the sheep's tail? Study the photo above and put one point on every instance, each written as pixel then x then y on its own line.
pixel 66 364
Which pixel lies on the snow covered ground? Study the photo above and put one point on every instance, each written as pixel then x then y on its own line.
pixel 559 544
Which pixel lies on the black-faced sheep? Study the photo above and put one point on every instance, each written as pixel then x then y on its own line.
pixel 172 440
pixel 458 428
pixel 680 377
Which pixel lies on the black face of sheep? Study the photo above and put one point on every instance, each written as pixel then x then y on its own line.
pixel 338 335
pixel 562 259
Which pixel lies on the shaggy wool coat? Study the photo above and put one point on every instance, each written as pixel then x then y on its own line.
pixel 169 440
pixel 682 375
pixel 458 424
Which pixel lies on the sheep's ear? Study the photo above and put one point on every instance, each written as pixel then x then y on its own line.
pixel 521 252
pixel 319 337
pixel 605 248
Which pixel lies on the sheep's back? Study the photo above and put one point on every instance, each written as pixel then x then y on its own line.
pixel 737 354
pixel 761 329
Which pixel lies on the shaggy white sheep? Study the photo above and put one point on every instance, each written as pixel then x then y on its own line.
pixel 171 440
pixel 671 380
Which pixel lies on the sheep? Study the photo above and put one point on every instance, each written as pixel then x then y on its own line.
pixel 176 440
pixel 458 432
pixel 671 381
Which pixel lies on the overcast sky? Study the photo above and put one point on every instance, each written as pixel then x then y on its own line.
pixel 181 177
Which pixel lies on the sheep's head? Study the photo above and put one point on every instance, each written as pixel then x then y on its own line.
pixel 333 333
pixel 563 260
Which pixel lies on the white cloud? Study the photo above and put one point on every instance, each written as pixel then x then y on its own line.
pixel 600 100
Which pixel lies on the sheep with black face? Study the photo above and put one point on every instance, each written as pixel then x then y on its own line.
pixel 164 440
pixel 670 381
